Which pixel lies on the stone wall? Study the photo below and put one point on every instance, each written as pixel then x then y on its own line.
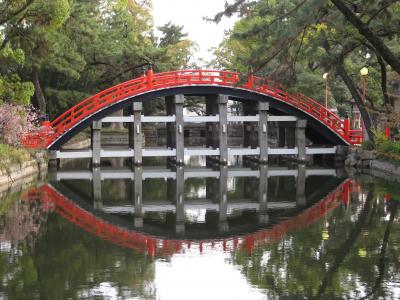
pixel 34 165
pixel 364 160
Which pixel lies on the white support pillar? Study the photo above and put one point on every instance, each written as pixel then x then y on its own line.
pixel 301 140
pixel 223 128
pixel 135 133
pixel 179 129
pixel 96 143
pixel 263 131
pixel 96 188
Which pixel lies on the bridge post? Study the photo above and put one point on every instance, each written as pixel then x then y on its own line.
pixel 223 199
pixel 96 188
pixel 179 129
pixel 300 132
pixel 96 143
pixel 211 127
pixel 180 201
pixel 223 128
pixel 263 217
pixel 263 108
pixel 301 185
pixel 138 201
pixel 135 133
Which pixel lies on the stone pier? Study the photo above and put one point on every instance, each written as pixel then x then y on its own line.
pixel 135 133
pixel 96 143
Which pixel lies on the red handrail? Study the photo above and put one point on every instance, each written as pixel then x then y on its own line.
pixel 153 82
pixel 53 200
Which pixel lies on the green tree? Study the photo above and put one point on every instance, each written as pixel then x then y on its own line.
pixel 12 89
pixel 76 48
pixel 295 42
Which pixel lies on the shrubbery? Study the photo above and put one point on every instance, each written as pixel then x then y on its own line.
pixel 383 146
pixel 16 121
pixel 11 155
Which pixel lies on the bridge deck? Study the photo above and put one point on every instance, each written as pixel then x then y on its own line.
pixel 194 151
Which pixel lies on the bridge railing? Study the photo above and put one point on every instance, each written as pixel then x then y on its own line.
pixel 153 82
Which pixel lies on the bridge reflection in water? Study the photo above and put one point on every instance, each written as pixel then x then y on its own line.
pixel 164 211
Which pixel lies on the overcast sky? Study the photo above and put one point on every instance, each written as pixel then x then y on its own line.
pixel 190 13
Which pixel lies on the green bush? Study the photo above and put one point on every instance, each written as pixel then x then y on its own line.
pixel 12 154
pixel 385 148
pixel 368 145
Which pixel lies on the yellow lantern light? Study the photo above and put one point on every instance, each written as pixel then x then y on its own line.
pixel 364 71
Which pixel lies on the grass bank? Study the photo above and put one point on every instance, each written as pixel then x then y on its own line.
pixel 12 155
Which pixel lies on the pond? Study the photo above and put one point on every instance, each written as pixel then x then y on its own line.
pixel 200 232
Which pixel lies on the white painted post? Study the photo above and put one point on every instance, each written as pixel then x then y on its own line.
pixel 223 129
pixel 96 188
pixel 301 140
pixel 263 131
pixel 179 129
pixel 96 143
pixel 137 133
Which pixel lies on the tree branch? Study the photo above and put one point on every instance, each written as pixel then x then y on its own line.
pixel 369 35
pixel 6 18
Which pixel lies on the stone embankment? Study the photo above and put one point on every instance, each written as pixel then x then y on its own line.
pixel 33 165
pixel 367 161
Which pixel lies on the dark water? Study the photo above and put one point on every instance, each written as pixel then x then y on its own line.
pixel 201 233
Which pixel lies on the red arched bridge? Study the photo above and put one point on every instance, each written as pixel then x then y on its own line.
pixel 272 104
pixel 153 245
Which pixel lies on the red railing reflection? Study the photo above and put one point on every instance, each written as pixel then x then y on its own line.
pixel 54 201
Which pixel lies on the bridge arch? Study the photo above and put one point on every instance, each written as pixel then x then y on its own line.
pixel 323 125
pixel 317 130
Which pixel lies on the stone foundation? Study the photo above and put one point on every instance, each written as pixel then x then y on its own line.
pixel 32 166
pixel 365 160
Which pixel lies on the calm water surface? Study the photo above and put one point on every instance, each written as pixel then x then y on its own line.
pixel 237 232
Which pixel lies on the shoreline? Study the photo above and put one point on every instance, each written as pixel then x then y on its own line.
pixel 26 171
pixel 367 162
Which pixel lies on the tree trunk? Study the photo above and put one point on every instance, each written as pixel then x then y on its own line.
pixel 384 81
pixel 368 123
pixel 41 100
pixel 369 35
